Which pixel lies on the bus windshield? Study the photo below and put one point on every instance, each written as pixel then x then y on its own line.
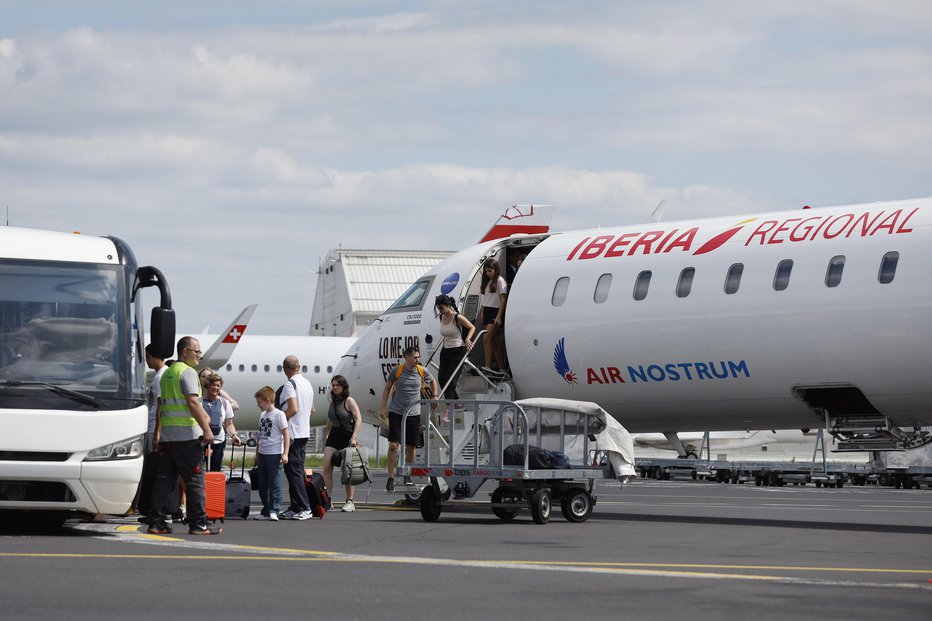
pixel 60 343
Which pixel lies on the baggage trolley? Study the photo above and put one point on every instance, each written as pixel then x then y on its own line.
pixel 460 466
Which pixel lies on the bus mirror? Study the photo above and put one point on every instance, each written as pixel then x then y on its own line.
pixel 162 331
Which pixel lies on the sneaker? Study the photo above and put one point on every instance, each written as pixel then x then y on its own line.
pixel 390 485
pixel 348 507
pixel 407 481
pixel 288 515
pixel 304 515
pixel 159 529
pixel 273 517
pixel 205 529
pixel 261 517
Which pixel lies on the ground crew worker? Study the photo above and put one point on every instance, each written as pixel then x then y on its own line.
pixel 181 427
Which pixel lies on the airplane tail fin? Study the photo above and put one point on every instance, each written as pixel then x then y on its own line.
pixel 528 219
pixel 221 349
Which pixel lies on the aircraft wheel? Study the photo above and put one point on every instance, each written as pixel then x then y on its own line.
pixel 499 495
pixel 430 504
pixel 576 505
pixel 541 506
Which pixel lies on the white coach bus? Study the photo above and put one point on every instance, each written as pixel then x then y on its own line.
pixel 72 373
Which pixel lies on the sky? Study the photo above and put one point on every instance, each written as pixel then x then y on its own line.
pixel 233 143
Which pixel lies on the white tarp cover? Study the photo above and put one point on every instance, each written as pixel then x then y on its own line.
pixel 610 435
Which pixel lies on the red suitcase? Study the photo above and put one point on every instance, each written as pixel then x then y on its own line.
pixel 215 492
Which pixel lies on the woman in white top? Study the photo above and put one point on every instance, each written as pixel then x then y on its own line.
pixel 454 345
pixel 492 299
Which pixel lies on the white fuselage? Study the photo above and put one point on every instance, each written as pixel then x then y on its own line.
pixel 709 359
pixel 256 362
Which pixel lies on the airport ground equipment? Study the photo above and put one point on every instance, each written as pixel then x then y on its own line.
pixel 907 469
pixel 467 451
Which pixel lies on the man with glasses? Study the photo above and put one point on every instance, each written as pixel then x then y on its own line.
pixel 181 427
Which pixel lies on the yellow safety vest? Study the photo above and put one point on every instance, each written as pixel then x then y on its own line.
pixel 174 405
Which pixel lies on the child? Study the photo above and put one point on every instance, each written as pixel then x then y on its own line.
pixel 271 453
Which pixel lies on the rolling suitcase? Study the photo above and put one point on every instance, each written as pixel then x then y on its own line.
pixel 239 489
pixel 215 492
pixel 317 493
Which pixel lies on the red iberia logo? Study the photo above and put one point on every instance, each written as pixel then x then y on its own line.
pixel 719 240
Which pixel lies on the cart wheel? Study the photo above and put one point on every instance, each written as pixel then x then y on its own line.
pixel 500 494
pixel 413 499
pixel 430 504
pixel 576 505
pixel 540 506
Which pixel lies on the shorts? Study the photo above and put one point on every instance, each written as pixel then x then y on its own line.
pixel 412 429
pixel 339 438
pixel 489 313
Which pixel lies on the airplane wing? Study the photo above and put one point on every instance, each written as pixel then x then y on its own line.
pixel 528 219
pixel 221 349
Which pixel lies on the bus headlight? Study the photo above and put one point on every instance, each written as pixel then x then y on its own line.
pixel 126 449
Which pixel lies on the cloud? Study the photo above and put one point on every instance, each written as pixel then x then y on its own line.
pixel 236 155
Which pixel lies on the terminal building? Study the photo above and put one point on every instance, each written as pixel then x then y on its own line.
pixel 354 287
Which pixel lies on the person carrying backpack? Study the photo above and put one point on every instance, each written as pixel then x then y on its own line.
pixel 405 386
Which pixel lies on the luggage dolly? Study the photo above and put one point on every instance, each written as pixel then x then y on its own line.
pixel 517 486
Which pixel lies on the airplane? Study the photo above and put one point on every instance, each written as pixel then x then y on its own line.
pixel 803 318
pixel 767 442
pixel 247 362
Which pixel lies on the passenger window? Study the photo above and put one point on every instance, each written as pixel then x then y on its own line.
pixel 559 291
pixel 641 285
pixel 329 369
pixel 888 267
pixel 781 279
pixel 266 368
pixel 835 267
pixel 316 368
pixel 733 279
pixel 685 282
pixel 304 368
pixel 254 368
pixel 242 368
pixel 278 367
pixel 229 367
pixel 602 287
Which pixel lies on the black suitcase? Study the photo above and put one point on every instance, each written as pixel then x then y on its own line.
pixel 239 489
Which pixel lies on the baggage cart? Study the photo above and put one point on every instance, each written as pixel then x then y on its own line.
pixel 568 428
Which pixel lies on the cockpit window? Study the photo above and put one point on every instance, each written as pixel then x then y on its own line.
pixel 413 298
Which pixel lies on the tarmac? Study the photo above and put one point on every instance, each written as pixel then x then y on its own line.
pixel 651 550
